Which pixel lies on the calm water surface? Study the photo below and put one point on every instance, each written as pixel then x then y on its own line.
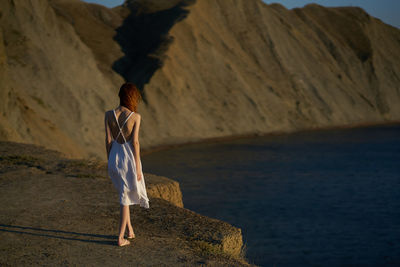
pixel 323 198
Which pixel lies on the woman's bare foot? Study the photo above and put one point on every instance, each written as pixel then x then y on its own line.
pixel 123 242
pixel 131 234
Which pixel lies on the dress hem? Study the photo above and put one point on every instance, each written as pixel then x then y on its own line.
pixel 143 204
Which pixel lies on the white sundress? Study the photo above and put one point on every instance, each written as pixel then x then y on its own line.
pixel 122 171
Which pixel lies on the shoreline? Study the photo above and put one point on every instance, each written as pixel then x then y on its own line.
pixel 211 140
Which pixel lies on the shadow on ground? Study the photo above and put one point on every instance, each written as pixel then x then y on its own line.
pixel 65 235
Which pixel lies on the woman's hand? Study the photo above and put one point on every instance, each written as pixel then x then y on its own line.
pixel 139 176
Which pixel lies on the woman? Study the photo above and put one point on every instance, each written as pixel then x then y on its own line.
pixel 123 154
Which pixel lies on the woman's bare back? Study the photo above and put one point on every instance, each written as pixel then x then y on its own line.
pixel 127 130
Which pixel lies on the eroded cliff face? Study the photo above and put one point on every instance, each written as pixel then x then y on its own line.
pixel 54 93
pixel 255 68
pixel 207 68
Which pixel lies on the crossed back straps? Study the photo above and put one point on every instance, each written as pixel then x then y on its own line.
pixel 120 128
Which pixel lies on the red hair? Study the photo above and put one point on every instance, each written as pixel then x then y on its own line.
pixel 129 96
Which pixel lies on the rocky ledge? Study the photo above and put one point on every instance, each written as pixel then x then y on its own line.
pixel 58 211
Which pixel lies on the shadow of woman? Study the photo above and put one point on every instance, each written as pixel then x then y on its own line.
pixel 60 234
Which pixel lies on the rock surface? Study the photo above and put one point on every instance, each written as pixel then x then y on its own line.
pixel 206 68
pixel 57 211
pixel 162 187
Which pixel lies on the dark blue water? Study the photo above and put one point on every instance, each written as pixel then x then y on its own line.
pixel 321 198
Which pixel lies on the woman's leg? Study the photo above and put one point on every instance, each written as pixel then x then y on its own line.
pixel 122 224
pixel 129 224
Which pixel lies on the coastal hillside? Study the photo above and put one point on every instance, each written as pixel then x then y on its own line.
pixel 206 68
pixel 58 211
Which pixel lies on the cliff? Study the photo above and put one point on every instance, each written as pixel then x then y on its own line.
pixel 61 211
pixel 207 68
pixel 164 188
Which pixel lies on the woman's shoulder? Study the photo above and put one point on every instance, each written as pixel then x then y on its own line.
pixel 136 117
pixel 108 113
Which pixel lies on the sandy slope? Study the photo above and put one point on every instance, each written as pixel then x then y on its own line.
pixel 207 68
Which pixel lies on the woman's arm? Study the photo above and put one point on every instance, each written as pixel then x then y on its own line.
pixel 136 147
pixel 108 135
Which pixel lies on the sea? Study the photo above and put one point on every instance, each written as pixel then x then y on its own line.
pixel 312 198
